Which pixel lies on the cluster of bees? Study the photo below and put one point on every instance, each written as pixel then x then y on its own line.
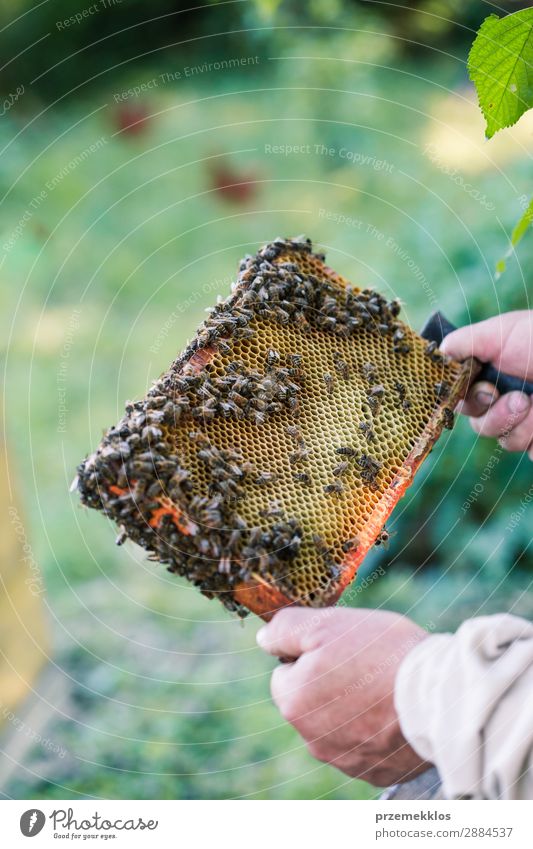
pixel 272 551
pixel 238 394
pixel 136 475
pixel 369 468
pixel 279 291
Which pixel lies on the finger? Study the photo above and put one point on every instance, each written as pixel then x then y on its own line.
pixel 520 438
pixel 292 631
pixel 480 397
pixel 504 416
pixel 282 690
pixel 505 340
pixel 479 340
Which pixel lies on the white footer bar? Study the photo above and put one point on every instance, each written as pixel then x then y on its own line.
pixel 266 824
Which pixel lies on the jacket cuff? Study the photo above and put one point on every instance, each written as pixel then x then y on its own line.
pixel 416 679
pixel 462 702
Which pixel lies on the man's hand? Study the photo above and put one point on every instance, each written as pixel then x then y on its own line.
pixel 339 691
pixel 506 341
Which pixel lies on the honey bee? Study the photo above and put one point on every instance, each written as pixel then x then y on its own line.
pixel 448 419
pixel 370 468
pixel 273 511
pixel 374 396
pixel 341 365
pixel 368 433
pixel 299 456
pixel 234 539
pixel 432 352
pixel 303 477
pixel 335 486
pixel 346 451
pixel 402 347
pixel 294 405
pixel 383 538
pixel 403 400
pixel 122 537
pixel 442 389
pixel 283 317
pixel 395 307
pixel 341 469
pixel 294 432
pixel 265 477
pixel 328 380
pixel 224 565
pixel 321 545
pixel 294 360
pixel 400 389
pixel 350 544
pixel 369 372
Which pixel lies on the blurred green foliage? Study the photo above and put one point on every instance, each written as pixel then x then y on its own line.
pixel 120 231
pixel 109 35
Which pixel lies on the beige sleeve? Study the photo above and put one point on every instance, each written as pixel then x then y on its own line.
pixel 465 704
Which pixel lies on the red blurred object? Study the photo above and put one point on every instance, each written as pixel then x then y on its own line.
pixel 232 185
pixel 131 118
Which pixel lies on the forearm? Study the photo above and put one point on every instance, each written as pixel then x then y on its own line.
pixel 465 703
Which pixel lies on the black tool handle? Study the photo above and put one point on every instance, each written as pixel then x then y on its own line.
pixel 437 327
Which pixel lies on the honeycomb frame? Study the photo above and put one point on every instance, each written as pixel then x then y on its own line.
pixel 265 462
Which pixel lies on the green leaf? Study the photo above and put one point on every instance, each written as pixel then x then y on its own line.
pixel 519 231
pixel 500 64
